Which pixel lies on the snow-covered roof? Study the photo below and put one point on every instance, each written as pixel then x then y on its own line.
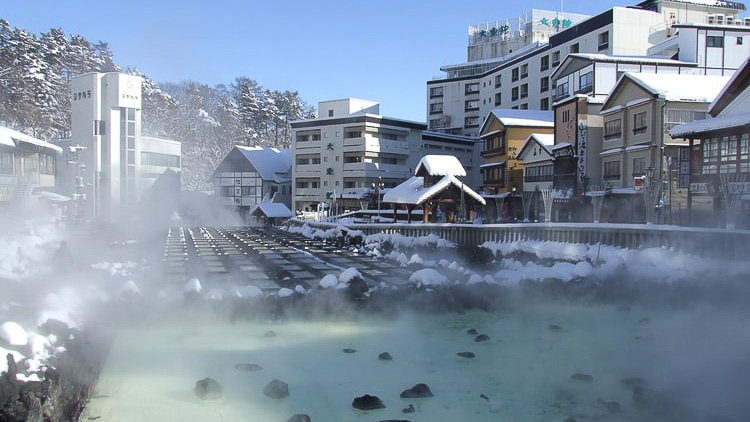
pixel 511 117
pixel 545 140
pixel 10 137
pixel 735 82
pixel 682 87
pixel 273 210
pixel 708 125
pixel 441 165
pixel 414 192
pixel 724 4
pixel 560 146
pixel 272 163
pixel 492 164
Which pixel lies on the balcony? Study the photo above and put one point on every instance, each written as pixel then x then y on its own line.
pixel 585 89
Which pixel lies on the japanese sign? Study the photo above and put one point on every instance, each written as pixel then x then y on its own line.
pixel 583 131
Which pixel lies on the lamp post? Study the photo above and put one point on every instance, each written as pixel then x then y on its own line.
pixel 377 187
pixel 650 200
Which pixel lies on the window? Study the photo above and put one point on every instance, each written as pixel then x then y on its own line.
pixel 514 93
pixel 348 134
pixel 498 81
pixel 472 88
pixel 498 99
pixel 524 70
pixel 586 82
pixel 436 108
pixel 162 160
pixel 524 106
pixel 639 123
pixel 714 41
pixel 544 104
pixel 46 164
pixel 302 138
pixel 544 84
pixel 538 174
pixel 710 155
pixel 639 166
pixel 524 90
pixel 612 170
pixel 739 40
pixel 604 40
pixel 544 63
pixel 566 116
pixel 436 91
pixel 330 113
pixel 678 117
pixel 555 58
pixel 573 48
pixel 471 105
pixel 514 74
pixel 562 90
pixel 612 129
pixel 728 148
pixel 353 159
pixel 435 123
pixel 471 121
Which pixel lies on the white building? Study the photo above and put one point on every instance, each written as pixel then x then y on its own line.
pixel 27 165
pixel 118 164
pixel 523 79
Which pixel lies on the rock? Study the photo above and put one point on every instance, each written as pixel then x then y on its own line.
pixel 481 338
pixel 484 397
pixel 276 389
pixel 472 331
pixel 368 402
pixel 349 350
pixel 467 355
pixel 300 417
pixel 208 389
pixel 269 334
pixel 420 390
pixel 408 409
pixel 554 327
pixel 612 406
pixel 357 288
pixel 385 356
pixel 248 367
pixel 582 377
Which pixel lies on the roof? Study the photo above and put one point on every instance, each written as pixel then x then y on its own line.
pixel 441 165
pixel 670 87
pixel 736 83
pixel 545 140
pixel 272 164
pixel 528 118
pixel 273 210
pixel 715 3
pixel 413 191
pixel 710 125
pixel 11 138
pixel 606 58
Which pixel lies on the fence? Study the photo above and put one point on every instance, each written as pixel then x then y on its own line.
pixel 727 244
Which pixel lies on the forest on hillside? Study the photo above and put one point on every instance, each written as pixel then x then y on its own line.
pixel 35 98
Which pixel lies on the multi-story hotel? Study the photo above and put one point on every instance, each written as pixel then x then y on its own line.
pixel 707 36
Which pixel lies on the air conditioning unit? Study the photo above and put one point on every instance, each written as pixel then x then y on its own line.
pixel 711 19
pixel 747 21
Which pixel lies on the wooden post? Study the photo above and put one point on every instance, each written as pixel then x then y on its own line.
pixel 426 211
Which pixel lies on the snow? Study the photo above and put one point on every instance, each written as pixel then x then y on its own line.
pixel 17 357
pixel 441 165
pixel 284 292
pixel 274 210
pixel 538 118
pixel 328 282
pixel 13 334
pixel 708 125
pixel 248 291
pixel 130 288
pixel 427 277
pixel 349 274
pixel 680 87
pixel 8 136
pixel 271 163
pixel 192 286
pixel 413 191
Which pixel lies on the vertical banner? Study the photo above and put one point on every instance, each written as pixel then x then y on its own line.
pixel 583 130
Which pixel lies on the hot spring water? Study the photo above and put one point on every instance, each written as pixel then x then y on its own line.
pixel 542 362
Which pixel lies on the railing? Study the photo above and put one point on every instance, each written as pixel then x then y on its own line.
pixel 727 244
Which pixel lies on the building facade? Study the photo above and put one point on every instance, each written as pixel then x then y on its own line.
pixel 460 102
pixel 27 165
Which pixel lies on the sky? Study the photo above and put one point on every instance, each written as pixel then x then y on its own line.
pixel 383 51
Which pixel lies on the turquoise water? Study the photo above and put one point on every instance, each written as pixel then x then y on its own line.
pixel 523 373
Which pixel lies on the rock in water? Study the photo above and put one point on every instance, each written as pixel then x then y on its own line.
pixel 554 327
pixel 276 389
pixel 582 377
pixel 418 391
pixel 301 417
pixel 408 409
pixel 269 334
pixel 481 338
pixel 467 355
pixel 472 331
pixel 612 406
pixel 248 367
pixel 208 389
pixel 349 350
pixel 368 402
pixel 385 356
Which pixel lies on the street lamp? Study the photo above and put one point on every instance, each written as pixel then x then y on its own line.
pixel 377 187
pixel 650 201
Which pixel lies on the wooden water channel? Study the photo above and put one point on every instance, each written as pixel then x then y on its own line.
pixel 264 257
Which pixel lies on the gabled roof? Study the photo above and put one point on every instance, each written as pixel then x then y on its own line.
pixel 413 191
pixel 544 140
pixel 271 163
pixel 516 118
pixel 670 87
pixel 11 138
pixel 734 86
pixel 273 210
pixel 576 61
pixel 441 165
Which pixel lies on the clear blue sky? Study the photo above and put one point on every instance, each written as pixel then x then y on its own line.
pixel 383 51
